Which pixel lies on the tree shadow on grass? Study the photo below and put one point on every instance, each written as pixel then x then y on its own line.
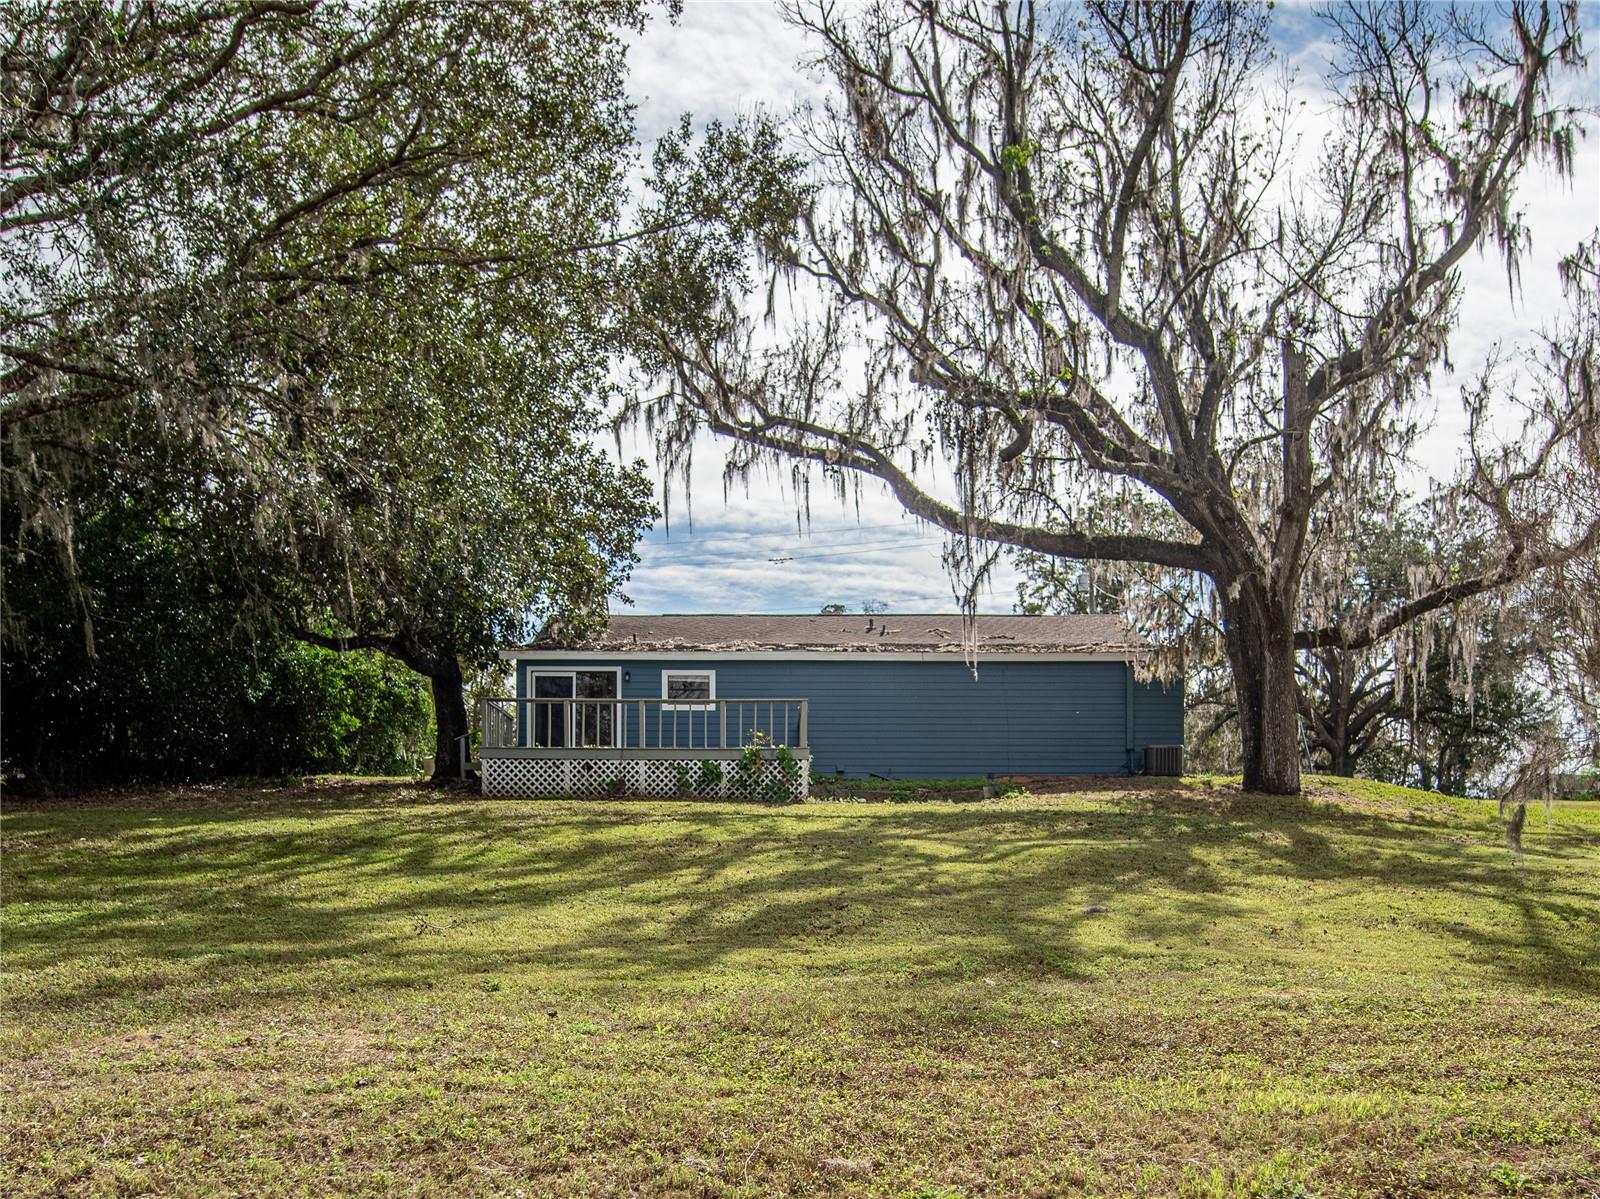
pixel 247 903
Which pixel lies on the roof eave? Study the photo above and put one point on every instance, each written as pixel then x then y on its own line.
pixel 1109 653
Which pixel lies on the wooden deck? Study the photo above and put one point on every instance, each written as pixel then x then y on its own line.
pixel 716 748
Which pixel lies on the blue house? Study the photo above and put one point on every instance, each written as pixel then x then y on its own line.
pixel 721 704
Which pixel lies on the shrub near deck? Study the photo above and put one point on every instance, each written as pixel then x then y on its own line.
pixel 368 990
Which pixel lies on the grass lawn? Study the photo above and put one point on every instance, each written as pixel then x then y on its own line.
pixel 1119 990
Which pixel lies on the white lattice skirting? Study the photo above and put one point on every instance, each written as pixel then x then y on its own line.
pixel 591 777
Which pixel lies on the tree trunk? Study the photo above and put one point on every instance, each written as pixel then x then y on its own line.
pixel 1260 642
pixel 1425 780
pixel 449 716
pixel 1343 763
pixel 441 667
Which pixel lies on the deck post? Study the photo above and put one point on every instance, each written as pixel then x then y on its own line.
pixel 803 706
pixel 722 718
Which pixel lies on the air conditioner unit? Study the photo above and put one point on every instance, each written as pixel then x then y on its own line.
pixel 1163 759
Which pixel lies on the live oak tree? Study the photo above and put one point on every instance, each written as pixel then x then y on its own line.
pixel 1469 693
pixel 1453 675
pixel 1459 697
pixel 1453 686
pixel 191 192
pixel 1453 703
pixel 1113 252
pixel 476 508
pixel 1462 740
pixel 1563 602
pixel 332 271
pixel 1566 603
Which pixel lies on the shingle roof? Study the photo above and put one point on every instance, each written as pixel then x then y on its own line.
pixel 888 632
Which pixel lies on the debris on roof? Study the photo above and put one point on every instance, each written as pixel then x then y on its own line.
pixel 937 633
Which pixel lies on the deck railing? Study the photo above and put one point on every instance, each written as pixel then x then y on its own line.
pixel 643 724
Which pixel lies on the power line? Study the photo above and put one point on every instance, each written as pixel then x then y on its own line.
pixel 777 552
pixel 868 549
pixel 714 538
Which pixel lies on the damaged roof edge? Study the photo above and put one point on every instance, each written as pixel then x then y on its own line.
pixel 875 634
pixel 1095 653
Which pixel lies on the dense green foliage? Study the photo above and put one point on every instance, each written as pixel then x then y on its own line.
pixel 1161 990
pixel 319 288
pixel 177 687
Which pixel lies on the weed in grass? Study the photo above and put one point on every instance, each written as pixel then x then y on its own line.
pixel 1509 1180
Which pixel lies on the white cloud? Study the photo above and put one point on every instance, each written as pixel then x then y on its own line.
pixel 720 59
pixel 717 550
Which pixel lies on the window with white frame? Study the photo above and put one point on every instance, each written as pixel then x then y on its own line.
pixel 688 689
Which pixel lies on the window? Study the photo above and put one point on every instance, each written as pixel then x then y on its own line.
pixel 688 685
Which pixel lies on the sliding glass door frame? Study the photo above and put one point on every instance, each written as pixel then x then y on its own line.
pixel 573 714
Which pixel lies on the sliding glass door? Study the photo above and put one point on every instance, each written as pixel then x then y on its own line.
pixel 579 722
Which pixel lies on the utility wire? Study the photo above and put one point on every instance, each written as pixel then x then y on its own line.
pixel 776 552
pixel 714 538
pixel 869 549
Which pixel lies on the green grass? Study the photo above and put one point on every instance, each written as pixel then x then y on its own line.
pixel 857 790
pixel 376 990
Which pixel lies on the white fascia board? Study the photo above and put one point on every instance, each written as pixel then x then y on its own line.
pixel 791 655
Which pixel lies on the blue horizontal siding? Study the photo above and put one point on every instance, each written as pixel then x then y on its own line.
pixel 910 719
pixel 1157 716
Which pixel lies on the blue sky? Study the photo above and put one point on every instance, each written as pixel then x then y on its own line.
pixel 746 550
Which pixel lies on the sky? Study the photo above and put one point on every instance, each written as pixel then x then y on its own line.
pixel 749 550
